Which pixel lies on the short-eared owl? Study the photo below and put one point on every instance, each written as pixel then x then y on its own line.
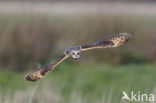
pixel 75 53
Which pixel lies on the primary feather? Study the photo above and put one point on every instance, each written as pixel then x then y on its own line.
pixel 110 41
pixel 114 40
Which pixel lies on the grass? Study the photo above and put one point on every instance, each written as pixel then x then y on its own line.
pixel 28 39
pixel 85 83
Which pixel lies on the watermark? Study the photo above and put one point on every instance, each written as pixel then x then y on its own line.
pixel 138 97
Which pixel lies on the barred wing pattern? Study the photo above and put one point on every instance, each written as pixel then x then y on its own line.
pixel 111 41
pixel 42 71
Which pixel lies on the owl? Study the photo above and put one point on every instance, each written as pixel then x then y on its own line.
pixel 76 51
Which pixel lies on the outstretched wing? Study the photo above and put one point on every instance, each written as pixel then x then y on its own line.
pixel 111 41
pixel 42 71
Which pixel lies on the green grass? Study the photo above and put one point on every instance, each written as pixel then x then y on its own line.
pixel 87 82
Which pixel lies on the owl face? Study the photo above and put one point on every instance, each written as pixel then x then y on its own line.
pixel 75 54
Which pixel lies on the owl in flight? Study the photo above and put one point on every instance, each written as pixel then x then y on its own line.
pixel 76 51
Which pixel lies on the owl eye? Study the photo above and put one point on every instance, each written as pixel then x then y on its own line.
pixel 73 53
pixel 78 53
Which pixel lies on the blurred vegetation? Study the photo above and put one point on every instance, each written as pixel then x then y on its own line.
pixel 84 83
pixel 27 40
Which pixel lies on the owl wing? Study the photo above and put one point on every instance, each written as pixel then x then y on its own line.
pixel 42 71
pixel 111 41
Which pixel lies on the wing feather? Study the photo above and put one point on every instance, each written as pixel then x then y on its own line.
pixel 111 41
pixel 42 71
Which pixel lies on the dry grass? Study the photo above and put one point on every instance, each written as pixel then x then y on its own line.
pixel 32 95
pixel 25 41
pixel 47 94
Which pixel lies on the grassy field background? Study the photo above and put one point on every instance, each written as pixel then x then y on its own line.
pixel 84 83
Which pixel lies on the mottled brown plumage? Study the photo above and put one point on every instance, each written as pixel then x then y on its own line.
pixel 111 41
pixel 75 53
pixel 40 72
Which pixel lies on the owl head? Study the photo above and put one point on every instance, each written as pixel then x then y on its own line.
pixel 75 52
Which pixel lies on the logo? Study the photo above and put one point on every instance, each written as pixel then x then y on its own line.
pixel 138 97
